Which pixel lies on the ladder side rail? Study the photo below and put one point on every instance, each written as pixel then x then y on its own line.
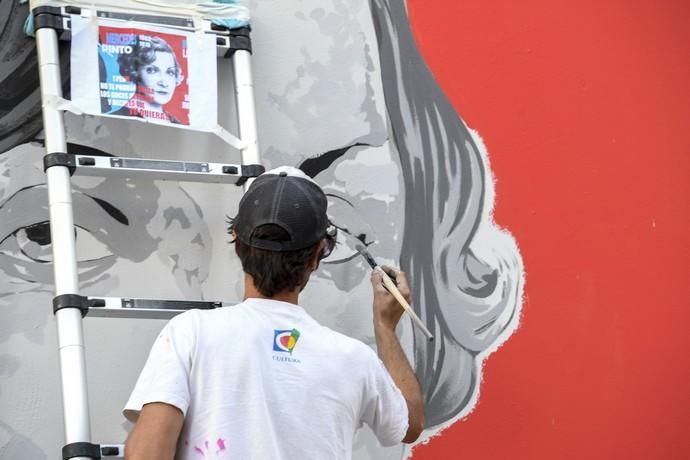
pixel 69 320
pixel 246 110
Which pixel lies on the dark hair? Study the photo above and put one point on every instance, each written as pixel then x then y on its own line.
pixel 144 53
pixel 275 271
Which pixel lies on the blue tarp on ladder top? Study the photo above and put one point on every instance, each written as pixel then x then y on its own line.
pixel 228 13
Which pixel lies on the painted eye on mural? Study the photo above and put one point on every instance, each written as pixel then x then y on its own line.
pixel 27 252
pixel 352 229
pixel 34 242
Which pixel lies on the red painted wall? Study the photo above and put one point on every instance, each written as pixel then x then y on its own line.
pixel 584 108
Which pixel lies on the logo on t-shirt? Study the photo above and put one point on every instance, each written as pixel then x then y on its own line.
pixel 285 340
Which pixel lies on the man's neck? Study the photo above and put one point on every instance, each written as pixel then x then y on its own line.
pixel 250 291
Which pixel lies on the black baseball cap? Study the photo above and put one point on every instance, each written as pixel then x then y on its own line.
pixel 286 197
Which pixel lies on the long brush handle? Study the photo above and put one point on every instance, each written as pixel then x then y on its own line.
pixel 393 289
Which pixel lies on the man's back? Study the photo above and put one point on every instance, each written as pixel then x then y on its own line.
pixel 264 380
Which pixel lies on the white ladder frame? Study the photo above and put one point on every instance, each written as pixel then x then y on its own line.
pixel 69 320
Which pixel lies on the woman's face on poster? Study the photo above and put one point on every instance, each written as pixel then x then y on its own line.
pixel 157 80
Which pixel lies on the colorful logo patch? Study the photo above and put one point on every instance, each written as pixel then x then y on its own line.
pixel 285 340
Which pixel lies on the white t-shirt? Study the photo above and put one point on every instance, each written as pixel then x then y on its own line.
pixel 263 380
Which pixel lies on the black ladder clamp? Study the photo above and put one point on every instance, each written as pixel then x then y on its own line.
pixel 93 451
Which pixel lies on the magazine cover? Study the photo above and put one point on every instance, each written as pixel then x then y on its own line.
pixel 146 73
pixel 142 74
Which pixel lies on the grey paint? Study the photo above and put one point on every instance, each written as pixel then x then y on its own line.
pixel 446 201
pixel 419 187
pixel 14 445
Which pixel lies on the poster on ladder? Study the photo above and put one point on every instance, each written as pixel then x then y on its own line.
pixel 146 73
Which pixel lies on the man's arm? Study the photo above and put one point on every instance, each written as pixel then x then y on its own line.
pixel 155 434
pixel 387 313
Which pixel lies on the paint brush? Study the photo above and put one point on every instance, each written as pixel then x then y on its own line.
pixel 393 289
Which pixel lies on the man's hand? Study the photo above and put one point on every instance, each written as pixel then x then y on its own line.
pixel 387 310
pixel 387 313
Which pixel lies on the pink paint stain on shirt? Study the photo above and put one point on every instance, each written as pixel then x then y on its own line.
pixel 203 451
pixel 221 445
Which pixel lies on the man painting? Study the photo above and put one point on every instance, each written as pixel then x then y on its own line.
pixel 263 378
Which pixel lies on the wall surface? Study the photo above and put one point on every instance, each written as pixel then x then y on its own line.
pixel 343 93
pixel 582 112
pixel 584 108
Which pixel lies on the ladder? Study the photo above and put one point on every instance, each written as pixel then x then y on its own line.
pixel 53 22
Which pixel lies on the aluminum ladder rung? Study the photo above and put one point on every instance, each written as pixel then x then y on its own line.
pixel 186 171
pixel 127 307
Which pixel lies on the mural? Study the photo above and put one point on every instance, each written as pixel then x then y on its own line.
pixel 343 93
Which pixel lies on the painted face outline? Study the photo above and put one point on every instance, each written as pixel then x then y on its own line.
pixel 158 80
pixel 371 143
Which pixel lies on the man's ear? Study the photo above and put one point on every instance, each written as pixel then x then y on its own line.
pixel 313 263
pixel 317 255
